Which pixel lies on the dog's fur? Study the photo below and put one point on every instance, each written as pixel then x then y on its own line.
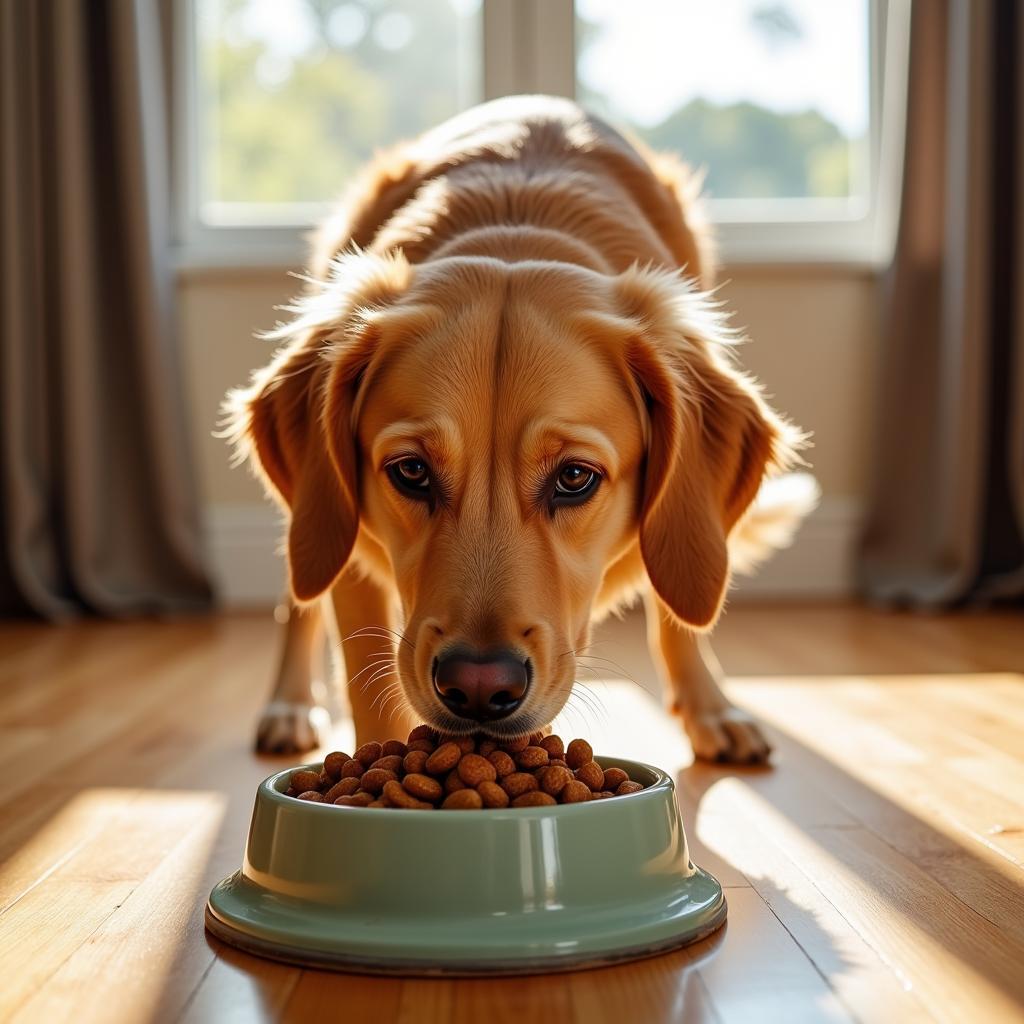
pixel 518 289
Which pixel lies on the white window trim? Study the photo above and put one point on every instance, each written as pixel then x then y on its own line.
pixel 528 46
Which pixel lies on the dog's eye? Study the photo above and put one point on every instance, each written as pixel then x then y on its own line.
pixel 575 483
pixel 411 476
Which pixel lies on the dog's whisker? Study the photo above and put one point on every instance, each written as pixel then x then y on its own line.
pixel 382 660
pixel 385 632
pixel 373 669
pixel 619 669
pixel 592 700
pixel 382 673
pixel 383 696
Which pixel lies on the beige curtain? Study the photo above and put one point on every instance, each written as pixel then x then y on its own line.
pixel 946 523
pixel 97 504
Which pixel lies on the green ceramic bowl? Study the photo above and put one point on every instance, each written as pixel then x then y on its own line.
pixel 467 892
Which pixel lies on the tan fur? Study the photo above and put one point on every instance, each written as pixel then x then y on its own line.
pixel 528 289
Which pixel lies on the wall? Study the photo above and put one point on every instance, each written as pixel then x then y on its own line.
pixel 814 347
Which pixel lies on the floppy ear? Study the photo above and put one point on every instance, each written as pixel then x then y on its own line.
pixel 712 440
pixel 294 421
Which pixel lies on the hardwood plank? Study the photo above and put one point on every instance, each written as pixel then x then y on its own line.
pixel 665 988
pixel 148 938
pixel 238 989
pixel 952 957
pixel 760 973
pixel 865 986
pixel 61 915
pixel 319 996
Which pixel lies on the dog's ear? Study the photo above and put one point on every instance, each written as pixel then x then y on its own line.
pixel 712 438
pixel 294 421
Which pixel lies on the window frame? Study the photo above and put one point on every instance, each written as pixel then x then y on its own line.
pixel 529 46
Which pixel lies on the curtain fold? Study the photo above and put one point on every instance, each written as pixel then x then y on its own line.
pixel 946 515
pixel 98 510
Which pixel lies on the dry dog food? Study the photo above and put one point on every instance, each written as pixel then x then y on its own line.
pixel 429 771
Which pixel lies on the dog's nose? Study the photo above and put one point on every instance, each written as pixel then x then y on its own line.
pixel 481 686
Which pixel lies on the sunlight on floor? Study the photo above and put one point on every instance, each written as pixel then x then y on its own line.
pixel 138 852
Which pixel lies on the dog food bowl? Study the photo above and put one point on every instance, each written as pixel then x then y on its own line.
pixel 484 892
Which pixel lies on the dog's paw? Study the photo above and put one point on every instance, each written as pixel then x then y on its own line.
pixel 726 734
pixel 288 728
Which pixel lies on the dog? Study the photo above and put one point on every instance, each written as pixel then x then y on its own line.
pixel 506 405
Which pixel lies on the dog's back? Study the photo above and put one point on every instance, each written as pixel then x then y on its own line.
pixel 525 177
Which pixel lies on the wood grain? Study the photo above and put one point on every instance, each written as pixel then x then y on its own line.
pixel 873 874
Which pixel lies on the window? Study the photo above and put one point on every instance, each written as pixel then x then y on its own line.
pixel 293 96
pixel 771 98
pixel 779 102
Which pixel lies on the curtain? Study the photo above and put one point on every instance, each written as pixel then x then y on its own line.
pixel 98 508
pixel 946 517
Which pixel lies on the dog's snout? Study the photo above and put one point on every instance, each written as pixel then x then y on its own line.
pixel 481 686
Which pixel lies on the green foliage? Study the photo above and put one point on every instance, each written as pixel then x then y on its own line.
pixel 280 127
pixel 753 153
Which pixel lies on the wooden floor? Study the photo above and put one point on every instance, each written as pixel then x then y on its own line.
pixel 874 873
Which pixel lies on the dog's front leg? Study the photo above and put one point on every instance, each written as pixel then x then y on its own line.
pixel 718 730
pixel 364 616
pixel 294 720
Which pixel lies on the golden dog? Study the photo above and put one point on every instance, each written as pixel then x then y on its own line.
pixel 505 406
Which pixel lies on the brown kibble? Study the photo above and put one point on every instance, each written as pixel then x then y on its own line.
pixel 399 797
pixel 518 783
pixel 578 753
pixel 503 763
pixel 575 792
pixel 534 798
pixel 415 761
pixel 531 757
pixel 553 745
pixel 628 787
pixel 452 782
pixel 444 759
pixel 423 732
pixel 474 769
pixel 432 770
pixel 304 781
pixel 423 787
pixel 592 774
pixel 359 799
pixel 374 778
pixel 368 753
pixel 333 762
pixel 463 800
pixel 346 787
pixel 514 746
pixel 492 794
pixel 554 779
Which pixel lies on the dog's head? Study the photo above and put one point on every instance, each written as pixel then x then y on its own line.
pixel 495 435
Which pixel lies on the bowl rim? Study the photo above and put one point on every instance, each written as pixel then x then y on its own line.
pixel 269 790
